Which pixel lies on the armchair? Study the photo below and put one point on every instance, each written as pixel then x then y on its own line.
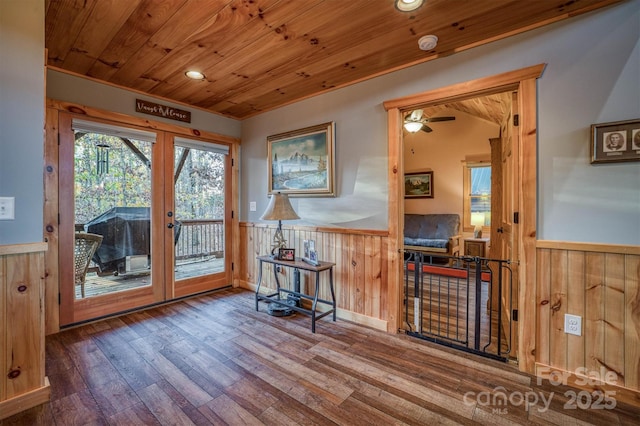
pixel 85 246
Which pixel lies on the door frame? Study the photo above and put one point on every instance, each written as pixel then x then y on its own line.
pixel 524 81
pixel 53 172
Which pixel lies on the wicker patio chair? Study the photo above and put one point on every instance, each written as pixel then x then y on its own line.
pixel 86 245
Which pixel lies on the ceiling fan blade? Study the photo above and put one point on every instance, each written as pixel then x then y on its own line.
pixel 434 119
pixel 426 128
pixel 416 115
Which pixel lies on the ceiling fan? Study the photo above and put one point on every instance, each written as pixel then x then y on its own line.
pixel 414 121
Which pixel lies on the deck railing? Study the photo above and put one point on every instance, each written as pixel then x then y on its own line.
pixel 199 239
pixel 195 239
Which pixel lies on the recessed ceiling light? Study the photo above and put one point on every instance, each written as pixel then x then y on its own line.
pixel 196 75
pixel 408 5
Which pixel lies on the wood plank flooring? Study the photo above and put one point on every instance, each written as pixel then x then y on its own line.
pixel 214 360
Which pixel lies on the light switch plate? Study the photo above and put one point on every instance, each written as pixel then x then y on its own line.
pixel 7 208
pixel 252 206
pixel 573 324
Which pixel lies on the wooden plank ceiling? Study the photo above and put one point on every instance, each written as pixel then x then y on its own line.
pixel 258 55
pixel 495 108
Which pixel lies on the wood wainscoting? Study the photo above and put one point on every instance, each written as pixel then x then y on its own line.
pixel 360 275
pixel 599 283
pixel 23 383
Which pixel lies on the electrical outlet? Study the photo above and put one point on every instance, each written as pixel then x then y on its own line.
pixel 252 206
pixel 573 324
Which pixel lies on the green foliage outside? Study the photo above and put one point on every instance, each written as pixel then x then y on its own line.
pixel 199 190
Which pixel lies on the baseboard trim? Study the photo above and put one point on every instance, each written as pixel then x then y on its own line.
pixel 26 400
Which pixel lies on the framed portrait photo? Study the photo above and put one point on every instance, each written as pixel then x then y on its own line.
pixel 301 162
pixel 615 142
pixel 418 185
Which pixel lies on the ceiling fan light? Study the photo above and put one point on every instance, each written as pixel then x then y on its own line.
pixel 408 5
pixel 412 126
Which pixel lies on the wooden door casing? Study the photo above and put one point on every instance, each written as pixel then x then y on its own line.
pixel 524 80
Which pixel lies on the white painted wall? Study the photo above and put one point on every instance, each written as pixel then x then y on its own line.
pixel 22 117
pixel 592 76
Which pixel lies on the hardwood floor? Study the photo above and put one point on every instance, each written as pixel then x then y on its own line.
pixel 215 360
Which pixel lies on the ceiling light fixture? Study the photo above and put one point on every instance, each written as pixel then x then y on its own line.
pixel 408 5
pixel 195 75
pixel 412 126
pixel 428 42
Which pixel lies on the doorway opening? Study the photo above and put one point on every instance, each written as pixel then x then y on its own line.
pixel 517 152
pixel 467 302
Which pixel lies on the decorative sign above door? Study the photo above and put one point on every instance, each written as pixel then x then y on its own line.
pixel 163 111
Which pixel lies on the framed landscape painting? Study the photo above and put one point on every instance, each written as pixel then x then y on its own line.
pixel 301 162
pixel 418 185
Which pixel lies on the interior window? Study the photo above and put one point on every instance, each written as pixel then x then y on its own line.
pixel 477 196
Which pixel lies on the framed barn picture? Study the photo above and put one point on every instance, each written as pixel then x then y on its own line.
pixel 418 185
pixel 287 254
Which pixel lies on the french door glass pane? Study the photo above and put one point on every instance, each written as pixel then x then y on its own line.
pixel 199 177
pixel 112 200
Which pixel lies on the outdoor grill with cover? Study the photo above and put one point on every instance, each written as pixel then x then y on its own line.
pixel 125 232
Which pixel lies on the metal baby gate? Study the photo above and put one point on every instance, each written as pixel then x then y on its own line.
pixel 461 302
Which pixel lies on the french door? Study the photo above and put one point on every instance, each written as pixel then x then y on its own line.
pixel 202 222
pixel 143 217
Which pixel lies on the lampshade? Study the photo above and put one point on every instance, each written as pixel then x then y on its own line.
pixel 477 218
pixel 279 208
pixel 412 126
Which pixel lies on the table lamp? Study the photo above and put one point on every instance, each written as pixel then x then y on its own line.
pixel 279 209
pixel 477 220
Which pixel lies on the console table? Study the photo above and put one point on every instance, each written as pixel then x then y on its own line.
pixel 298 264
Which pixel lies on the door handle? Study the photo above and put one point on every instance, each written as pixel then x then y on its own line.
pixel 170 225
pixel 500 230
